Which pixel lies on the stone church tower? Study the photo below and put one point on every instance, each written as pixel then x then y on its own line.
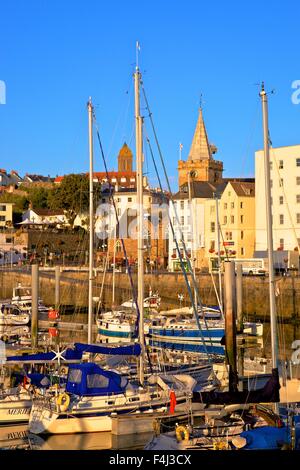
pixel 125 158
pixel 200 163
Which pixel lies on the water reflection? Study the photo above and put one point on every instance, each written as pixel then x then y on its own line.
pixel 18 437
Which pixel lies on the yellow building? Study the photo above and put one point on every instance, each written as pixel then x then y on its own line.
pixel 6 213
pixel 236 208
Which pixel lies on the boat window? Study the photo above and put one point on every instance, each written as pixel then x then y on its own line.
pixel 134 399
pixel 97 381
pixel 75 376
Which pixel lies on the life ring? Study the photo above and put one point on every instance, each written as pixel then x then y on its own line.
pixel 182 433
pixel 63 401
pixel 63 370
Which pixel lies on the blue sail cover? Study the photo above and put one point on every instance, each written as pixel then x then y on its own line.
pixel 69 354
pixel 89 379
pixel 130 350
pixel 76 354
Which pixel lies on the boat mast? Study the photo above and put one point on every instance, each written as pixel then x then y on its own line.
pixel 91 244
pixel 193 250
pixel 274 343
pixel 114 266
pixel 140 218
pixel 219 255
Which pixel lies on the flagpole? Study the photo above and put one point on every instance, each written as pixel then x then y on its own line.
pixel 180 150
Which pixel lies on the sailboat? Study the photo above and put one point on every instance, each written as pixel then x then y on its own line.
pixel 94 395
pixel 272 436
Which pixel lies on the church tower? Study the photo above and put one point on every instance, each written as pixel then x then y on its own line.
pixel 200 163
pixel 125 158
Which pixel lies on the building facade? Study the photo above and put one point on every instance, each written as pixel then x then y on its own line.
pixel 285 198
pixel 236 214
pixel 6 213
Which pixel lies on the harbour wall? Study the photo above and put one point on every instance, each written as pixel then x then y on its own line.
pixel 74 291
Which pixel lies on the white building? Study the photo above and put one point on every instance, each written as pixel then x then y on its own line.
pixel 285 197
pixel 190 221
pixel 45 216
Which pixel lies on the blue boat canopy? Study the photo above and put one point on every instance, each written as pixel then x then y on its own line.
pixel 89 379
pixel 76 353
pixel 69 355
pixel 129 350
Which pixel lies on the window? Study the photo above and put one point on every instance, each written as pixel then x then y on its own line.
pixel 119 211
pixel 280 199
pixel 280 164
pixel 281 182
pixel 297 161
pixel 298 218
pixel 212 209
pixel 242 250
pixel 2 208
pixel 228 235
pixel 232 219
pixel 9 240
pixel 232 205
pixel 298 180
pixel 97 381
pixel 298 198
pixel 241 205
pixel 229 193
pixel 2 218
pixel 119 199
pixel 242 219
pixel 75 376
pixel 225 219
pixel 212 244
pixel 281 219
pixel 181 205
pixel 271 165
pixel 281 243
pixel 242 235
pixel 212 226
pixel 182 220
pixel 130 199
pixel 271 183
pixel 174 251
pixel 225 205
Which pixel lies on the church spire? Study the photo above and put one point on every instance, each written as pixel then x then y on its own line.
pixel 200 148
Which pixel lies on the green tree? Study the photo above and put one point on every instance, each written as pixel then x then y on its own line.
pixel 38 197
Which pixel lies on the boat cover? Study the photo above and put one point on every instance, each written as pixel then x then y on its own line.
pixel 267 394
pixel 129 350
pixel 89 379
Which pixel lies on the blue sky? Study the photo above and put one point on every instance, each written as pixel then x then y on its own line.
pixel 55 54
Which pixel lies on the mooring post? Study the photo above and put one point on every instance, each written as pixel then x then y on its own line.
pixel 239 297
pixel 57 287
pixel 230 324
pixel 34 304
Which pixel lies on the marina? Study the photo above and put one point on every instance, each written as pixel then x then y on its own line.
pixel 148 301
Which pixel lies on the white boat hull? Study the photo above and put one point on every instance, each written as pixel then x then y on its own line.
pixel 14 411
pixel 22 319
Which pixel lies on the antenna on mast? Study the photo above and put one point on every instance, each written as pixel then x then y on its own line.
pixel 137 49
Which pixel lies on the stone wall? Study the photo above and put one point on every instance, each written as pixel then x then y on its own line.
pixel 74 291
